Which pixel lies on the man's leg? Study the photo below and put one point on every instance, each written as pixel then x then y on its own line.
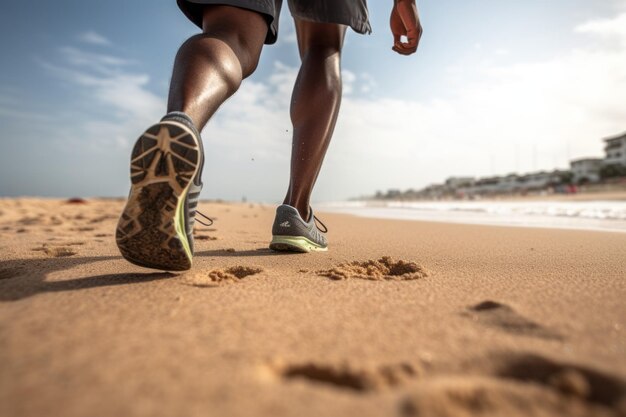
pixel 314 106
pixel 209 67
pixel 155 229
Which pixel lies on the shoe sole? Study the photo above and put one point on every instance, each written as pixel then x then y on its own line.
pixel 151 230
pixel 295 244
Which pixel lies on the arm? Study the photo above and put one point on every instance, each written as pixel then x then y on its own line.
pixel 405 21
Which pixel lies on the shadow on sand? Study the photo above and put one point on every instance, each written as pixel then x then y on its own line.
pixel 22 278
pixel 264 251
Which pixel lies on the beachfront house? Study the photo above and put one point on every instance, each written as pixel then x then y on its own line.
pixel 542 180
pixel 486 186
pixel 586 170
pixel 615 150
pixel 508 184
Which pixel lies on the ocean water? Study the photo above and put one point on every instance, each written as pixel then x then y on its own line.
pixel 607 216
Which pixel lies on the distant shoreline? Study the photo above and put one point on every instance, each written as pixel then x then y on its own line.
pixel 580 196
pixel 606 214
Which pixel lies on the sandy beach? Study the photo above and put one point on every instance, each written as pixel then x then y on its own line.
pixel 398 318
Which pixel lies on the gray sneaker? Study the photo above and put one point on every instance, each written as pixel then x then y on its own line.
pixel 291 233
pixel 155 229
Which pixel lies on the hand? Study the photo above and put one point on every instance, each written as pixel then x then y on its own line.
pixel 405 21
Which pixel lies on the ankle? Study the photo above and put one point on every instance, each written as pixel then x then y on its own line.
pixel 182 117
pixel 303 210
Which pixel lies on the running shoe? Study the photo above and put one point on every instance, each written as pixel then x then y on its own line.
pixel 291 233
pixel 156 226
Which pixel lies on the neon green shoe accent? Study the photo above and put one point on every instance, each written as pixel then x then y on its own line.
pixel 179 225
pixel 295 243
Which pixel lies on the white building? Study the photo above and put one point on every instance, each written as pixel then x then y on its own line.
pixel 586 169
pixel 615 149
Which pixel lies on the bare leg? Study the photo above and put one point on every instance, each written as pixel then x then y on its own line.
pixel 314 106
pixel 209 67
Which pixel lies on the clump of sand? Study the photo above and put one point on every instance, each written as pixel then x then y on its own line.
pixel 58 251
pixel 384 268
pixel 219 276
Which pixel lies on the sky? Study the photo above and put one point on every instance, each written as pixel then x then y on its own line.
pixel 497 86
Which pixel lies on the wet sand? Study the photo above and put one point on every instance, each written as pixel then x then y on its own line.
pixel 399 318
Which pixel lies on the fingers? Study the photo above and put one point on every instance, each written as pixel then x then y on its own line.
pixel 409 47
pixel 405 48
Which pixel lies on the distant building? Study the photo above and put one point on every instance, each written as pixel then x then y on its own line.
pixel 459 182
pixel 586 169
pixel 615 150
pixel 541 180
pixel 583 170
pixel 435 191
pixel 487 185
pixel 508 184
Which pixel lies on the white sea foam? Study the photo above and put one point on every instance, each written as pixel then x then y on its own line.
pixel 589 215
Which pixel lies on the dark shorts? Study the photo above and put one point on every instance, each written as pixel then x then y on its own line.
pixel 351 13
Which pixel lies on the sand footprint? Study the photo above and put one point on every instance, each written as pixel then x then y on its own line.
pixel 217 277
pixel 384 268
pixel 569 379
pixel 346 376
pixel 502 316
pixel 523 385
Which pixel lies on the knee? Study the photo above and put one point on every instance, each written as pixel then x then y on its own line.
pixel 330 53
pixel 246 52
pixel 222 55
pixel 321 43
pixel 325 60
pixel 248 55
pixel 242 30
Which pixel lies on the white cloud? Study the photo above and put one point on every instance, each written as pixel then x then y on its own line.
pixel 120 98
pixel 613 28
pixel 102 63
pixel 367 82
pixel 93 38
